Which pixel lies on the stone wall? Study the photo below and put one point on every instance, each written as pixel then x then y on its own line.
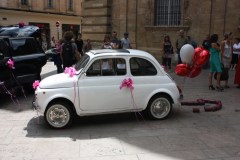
pixel 198 18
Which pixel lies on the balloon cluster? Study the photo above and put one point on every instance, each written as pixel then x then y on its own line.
pixel 192 59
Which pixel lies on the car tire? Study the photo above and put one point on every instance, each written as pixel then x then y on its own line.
pixel 159 107
pixel 59 115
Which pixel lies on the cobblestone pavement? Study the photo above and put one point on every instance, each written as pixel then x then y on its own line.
pixel 183 136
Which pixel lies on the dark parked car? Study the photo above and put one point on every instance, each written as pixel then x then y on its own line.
pixel 28 57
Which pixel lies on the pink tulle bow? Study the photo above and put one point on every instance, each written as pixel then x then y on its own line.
pixel 10 64
pixel 35 84
pixel 127 82
pixel 70 71
pixel 21 24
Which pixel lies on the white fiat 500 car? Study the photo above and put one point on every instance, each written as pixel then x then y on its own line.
pixel 95 88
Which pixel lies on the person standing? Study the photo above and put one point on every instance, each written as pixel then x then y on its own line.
pixel 53 42
pixel 125 42
pixel 181 41
pixel 236 52
pixel 237 73
pixel 58 61
pixel 167 52
pixel 88 46
pixel 116 43
pixel 79 43
pixel 206 45
pixel 215 65
pixel 226 54
pixel 107 42
pixel 191 41
pixel 69 51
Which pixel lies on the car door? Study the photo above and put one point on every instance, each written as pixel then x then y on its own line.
pixel 145 79
pixel 99 87
pixel 4 57
pixel 29 59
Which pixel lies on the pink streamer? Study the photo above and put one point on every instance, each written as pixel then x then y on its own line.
pixel 128 83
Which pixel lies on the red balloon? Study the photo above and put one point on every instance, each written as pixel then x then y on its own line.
pixel 203 57
pixel 196 55
pixel 182 70
pixel 195 72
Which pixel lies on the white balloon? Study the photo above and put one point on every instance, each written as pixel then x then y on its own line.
pixel 186 53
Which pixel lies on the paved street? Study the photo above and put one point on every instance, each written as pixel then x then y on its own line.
pixel 184 136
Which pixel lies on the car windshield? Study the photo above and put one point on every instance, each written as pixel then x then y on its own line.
pixel 82 63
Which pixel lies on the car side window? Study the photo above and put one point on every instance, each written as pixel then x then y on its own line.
pixel 142 67
pixel 107 67
pixel 4 48
pixel 24 46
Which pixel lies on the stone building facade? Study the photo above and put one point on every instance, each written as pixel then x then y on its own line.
pixel 197 18
pixel 43 13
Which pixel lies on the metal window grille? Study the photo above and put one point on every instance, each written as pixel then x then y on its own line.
pixel 24 2
pixel 70 5
pixel 50 3
pixel 167 13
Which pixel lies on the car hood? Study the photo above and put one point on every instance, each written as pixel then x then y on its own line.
pixel 58 81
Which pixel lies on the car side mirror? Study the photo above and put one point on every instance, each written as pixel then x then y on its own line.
pixel 1 56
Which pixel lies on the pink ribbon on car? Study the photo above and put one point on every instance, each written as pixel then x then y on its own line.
pixel 127 82
pixel 70 71
pixel 10 64
pixel 35 84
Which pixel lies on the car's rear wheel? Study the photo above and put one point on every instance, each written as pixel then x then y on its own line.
pixel 59 115
pixel 159 107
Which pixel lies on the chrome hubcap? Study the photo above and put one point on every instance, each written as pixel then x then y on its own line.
pixel 160 108
pixel 58 116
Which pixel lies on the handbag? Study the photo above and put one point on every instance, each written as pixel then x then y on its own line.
pixel 224 74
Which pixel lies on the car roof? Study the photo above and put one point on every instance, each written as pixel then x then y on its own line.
pixel 119 52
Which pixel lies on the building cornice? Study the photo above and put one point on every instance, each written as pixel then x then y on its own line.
pixel 41 12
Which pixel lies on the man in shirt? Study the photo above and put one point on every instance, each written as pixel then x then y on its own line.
pixel 116 43
pixel 125 42
pixel 181 41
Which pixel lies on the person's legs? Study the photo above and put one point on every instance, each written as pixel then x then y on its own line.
pixel 210 86
pixel 164 61
pixel 179 59
pixel 169 63
pixel 219 88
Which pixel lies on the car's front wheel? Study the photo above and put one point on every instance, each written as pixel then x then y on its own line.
pixel 159 107
pixel 59 115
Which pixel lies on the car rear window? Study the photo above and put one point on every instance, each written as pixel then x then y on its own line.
pixel 142 67
pixel 25 46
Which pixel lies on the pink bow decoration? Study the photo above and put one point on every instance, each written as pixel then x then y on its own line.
pixel 35 84
pixel 10 64
pixel 21 24
pixel 127 82
pixel 70 71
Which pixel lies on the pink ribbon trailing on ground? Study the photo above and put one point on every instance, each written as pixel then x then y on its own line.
pixel 70 71
pixel 35 84
pixel 128 83
pixel 13 97
pixel 10 64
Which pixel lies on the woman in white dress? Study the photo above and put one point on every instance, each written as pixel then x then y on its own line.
pixel 226 53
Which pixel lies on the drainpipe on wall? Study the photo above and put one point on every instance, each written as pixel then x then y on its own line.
pixel 210 20
pixel 225 14
pixel 126 16
pixel 136 23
